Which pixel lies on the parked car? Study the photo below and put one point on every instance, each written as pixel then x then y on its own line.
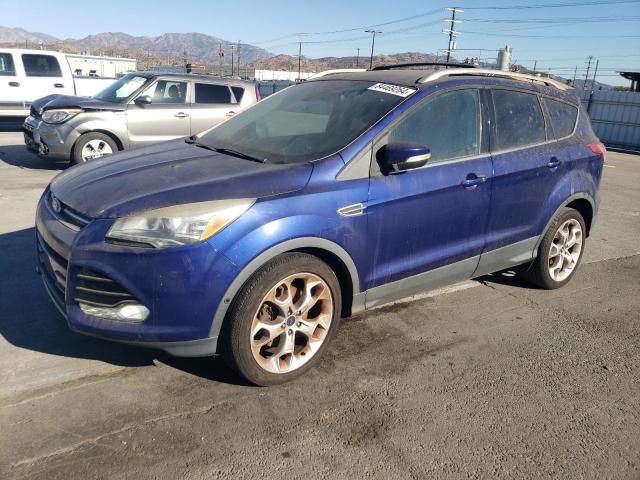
pixel 26 75
pixel 136 110
pixel 331 197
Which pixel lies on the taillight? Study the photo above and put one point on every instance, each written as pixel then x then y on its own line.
pixel 598 149
pixel 258 97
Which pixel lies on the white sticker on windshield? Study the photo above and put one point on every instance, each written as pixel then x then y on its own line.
pixel 392 89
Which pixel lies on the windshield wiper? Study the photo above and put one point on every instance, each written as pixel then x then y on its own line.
pixel 235 153
pixel 228 151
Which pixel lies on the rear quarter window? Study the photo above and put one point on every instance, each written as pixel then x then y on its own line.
pixel 207 93
pixel 36 65
pixel 562 117
pixel 6 65
pixel 238 92
pixel 519 119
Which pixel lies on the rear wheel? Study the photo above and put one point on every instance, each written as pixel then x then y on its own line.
pixel 560 251
pixel 92 145
pixel 282 319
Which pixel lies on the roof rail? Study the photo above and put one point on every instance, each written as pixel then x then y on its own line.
pixel 423 64
pixel 485 72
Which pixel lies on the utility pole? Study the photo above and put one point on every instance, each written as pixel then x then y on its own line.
pixel 452 33
pixel 586 77
pixel 221 55
pixel 595 72
pixel 232 47
pixel 373 43
pixel 184 58
pixel 299 58
pixel 357 58
pixel 238 57
pixel 535 64
pixel 575 72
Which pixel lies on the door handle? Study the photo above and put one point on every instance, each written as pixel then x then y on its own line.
pixel 230 114
pixel 181 115
pixel 14 84
pixel 58 85
pixel 553 163
pixel 473 181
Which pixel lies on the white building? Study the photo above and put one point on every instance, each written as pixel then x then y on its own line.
pixel 94 65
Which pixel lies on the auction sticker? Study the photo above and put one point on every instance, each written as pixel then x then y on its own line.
pixel 392 89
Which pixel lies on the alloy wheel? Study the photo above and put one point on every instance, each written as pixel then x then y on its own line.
pixel 565 249
pixel 291 323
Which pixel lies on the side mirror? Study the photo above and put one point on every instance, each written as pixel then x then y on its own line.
pixel 142 100
pixel 398 157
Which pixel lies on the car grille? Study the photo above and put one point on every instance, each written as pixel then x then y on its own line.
pixel 95 289
pixel 66 215
pixel 54 271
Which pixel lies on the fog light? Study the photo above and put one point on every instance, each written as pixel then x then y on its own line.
pixel 129 312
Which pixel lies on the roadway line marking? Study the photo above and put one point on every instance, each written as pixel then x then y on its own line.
pixel 610 166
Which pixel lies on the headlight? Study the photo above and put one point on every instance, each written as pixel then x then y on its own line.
pixel 59 116
pixel 179 225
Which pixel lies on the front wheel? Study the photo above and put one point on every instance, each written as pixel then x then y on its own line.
pixel 283 319
pixel 92 145
pixel 560 251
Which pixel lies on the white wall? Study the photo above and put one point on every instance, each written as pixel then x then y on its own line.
pixel 108 67
pixel 280 75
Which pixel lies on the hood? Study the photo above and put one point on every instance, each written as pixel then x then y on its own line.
pixel 67 101
pixel 170 173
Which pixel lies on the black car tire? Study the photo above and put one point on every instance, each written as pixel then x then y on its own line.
pixel 76 154
pixel 236 334
pixel 538 273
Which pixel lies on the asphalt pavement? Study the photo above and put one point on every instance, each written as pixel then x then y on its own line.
pixel 485 379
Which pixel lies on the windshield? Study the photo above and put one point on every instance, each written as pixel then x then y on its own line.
pixel 120 90
pixel 307 121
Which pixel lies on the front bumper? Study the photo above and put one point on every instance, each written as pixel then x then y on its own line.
pixel 48 140
pixel 182 287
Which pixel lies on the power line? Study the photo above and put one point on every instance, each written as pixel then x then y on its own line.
pixel 552 5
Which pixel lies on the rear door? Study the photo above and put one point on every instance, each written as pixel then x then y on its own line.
pixel 212 104
pixel 525 168
pixel 165 118
pixel 44 75
pixel 434 216
pixel 11 95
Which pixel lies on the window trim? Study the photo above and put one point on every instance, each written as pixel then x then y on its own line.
pixel 232 96
pixel 382 138
pixel 575 122
pixel 26 72
pixel 14 71
pixel 495 121
pixel 154 82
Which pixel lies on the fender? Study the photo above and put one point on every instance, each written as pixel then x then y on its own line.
pixel 114 126
pixel 567 201
pixel 274 251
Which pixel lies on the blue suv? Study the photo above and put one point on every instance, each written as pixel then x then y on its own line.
pixel 253 239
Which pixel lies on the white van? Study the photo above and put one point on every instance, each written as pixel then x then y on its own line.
pixel 26 75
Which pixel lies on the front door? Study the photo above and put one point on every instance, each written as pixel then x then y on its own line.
pixel 167 117
pixel 426 226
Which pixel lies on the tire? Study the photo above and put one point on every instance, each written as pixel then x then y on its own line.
pixel 100 143
pixel 542 272
pixel 260 354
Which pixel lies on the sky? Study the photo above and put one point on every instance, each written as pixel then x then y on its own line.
pixel 558 34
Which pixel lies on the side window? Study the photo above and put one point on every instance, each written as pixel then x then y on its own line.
pixel 207 93
pixel 167 92
pixel 6 65
pixel 562 117
pixel 448 124
pixel 238 92
pixel 519 119
pixel 41 65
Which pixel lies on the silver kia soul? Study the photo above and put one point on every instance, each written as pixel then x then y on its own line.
pixel 136 110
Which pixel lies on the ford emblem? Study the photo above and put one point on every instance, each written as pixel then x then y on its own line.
pixel 55 204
